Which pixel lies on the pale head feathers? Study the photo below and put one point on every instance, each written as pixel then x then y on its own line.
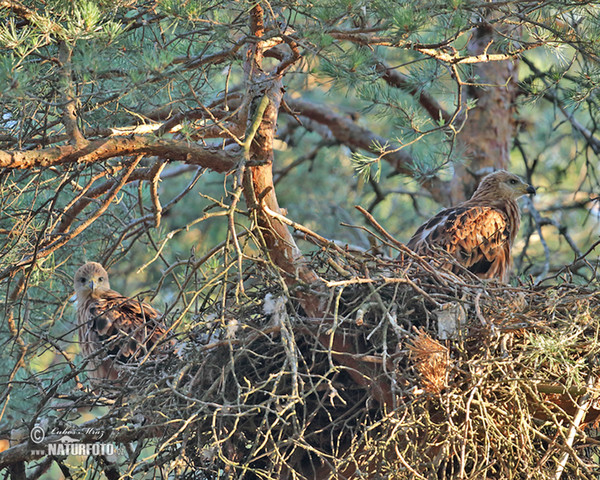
pixel 90 280
pixel 500 186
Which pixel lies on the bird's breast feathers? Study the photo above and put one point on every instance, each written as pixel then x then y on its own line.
pixel 125 327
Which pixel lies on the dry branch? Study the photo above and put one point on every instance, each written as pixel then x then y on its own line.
pixel 261 385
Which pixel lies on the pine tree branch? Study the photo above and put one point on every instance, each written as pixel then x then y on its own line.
pixel 455 58
pixel 398 80
pixel 586 133
pixel 18 9
pixel 213 158
pixel 349 133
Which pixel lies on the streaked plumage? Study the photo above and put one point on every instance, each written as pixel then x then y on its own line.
pixel 114 330
pixel 480 232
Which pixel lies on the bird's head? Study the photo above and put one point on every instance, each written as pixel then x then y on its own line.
pixel 90 279
pixel 503 185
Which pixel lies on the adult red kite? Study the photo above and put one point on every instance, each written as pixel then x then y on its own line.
pixel 480 232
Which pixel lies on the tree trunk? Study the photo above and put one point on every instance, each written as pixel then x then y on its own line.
pixel 259 190
pixel 488 132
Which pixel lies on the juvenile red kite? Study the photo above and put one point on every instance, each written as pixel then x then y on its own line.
pixel 114 330
pixel 480 232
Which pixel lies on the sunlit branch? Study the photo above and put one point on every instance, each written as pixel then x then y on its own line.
pixel 213 158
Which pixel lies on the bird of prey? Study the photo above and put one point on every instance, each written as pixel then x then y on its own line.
pixel 114 330
pixel 479 233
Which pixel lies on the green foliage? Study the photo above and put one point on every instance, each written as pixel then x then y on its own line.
pixel 406 20
pixel 191 10
pixel 556 356
pixel 365 164
pixel 348 68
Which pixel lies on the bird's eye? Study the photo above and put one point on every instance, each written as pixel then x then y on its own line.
pixel 513 181
pixel 101 279
pixel 82 280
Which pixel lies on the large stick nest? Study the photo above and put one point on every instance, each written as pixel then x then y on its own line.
pixel 415 373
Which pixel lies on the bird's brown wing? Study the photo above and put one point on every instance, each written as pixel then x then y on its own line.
pixel 477 237
pixel 124 328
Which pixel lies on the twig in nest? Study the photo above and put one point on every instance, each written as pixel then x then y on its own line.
pixel 319 240
pixel 584 405
pixel 399 245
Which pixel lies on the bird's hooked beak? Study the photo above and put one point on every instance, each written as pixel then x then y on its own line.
pixel 92 285
pixel 530 190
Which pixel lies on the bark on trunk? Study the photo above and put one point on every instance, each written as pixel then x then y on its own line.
pixel 260 195
pixel 488 132
pixel 258 178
